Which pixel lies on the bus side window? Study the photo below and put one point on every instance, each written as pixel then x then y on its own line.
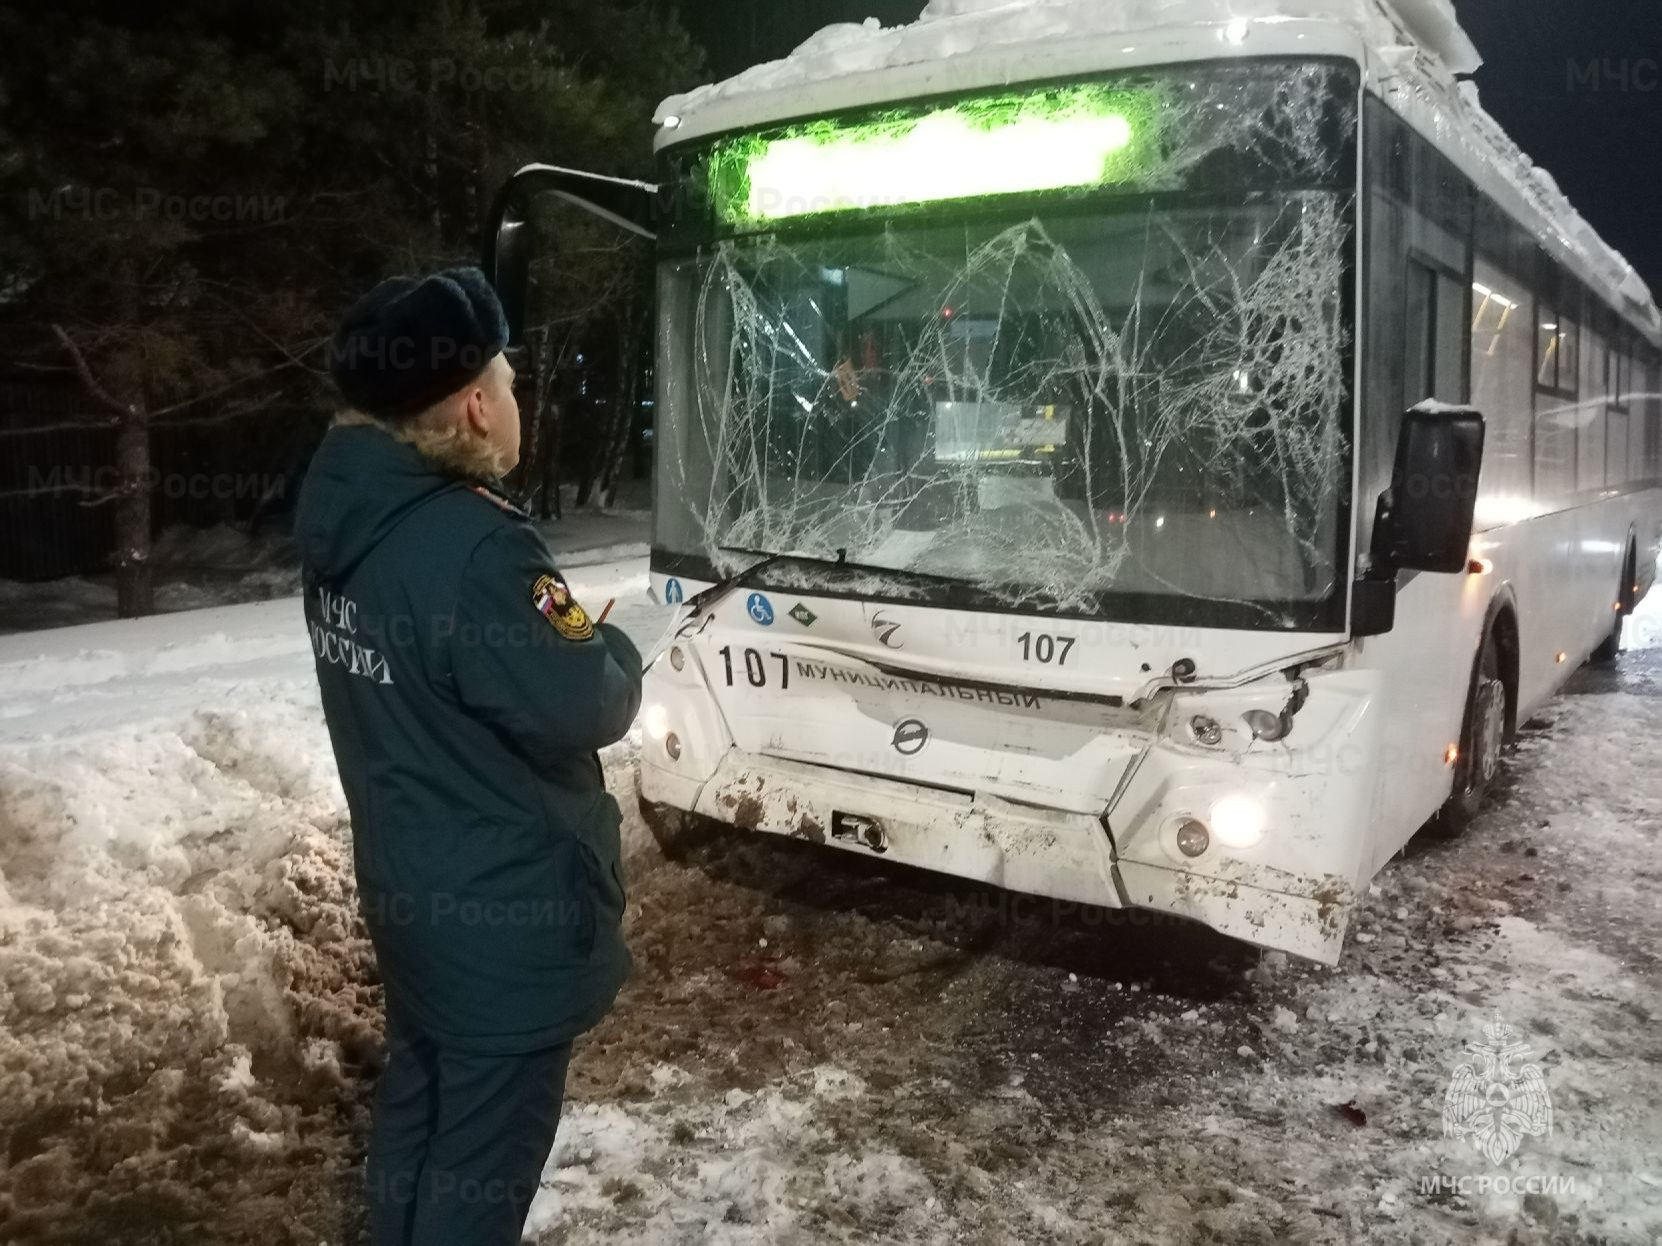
pixel 1434 354
pixel 1502 378
pixel 1594 415
pixel 1651 462
pixel 1558 409
pixel 1449 382
pixel 1618 390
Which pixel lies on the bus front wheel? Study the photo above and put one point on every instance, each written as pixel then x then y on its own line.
pixel 1611 645
pixel 1482 740
pixel 675 831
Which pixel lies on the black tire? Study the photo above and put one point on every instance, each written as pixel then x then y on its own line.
pixel 1483 739
pixel 676 831
pixel 1611 646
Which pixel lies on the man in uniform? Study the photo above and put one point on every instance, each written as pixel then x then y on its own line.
pixel 466 693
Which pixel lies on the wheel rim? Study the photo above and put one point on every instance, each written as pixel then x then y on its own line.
pixel 1491 732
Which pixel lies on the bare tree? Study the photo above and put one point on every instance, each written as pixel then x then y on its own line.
pixel 631 361
pixel 135 594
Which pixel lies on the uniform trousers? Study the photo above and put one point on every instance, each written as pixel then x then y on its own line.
pixel 459 1141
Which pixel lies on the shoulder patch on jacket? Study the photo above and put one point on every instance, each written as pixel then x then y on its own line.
pixel 500 502
pixel 555 603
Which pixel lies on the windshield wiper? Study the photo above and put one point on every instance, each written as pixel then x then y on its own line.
pixel 840 563
pixel 697 601
pixel 902 573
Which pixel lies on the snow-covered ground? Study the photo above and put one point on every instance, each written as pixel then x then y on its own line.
pixel 183 985
pixel 77 679
pixel 815 1046
pixel 195 568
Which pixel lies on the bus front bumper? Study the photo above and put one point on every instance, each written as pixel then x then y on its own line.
pixel 1064 856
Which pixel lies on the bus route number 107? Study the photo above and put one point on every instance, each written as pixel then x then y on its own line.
pixel 1045 649
pixel 756 668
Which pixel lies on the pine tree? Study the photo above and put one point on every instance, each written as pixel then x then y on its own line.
pixel 192 192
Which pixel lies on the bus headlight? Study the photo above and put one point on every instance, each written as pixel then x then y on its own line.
pixel 1267 726
pixel 655 721
pixel 1192 838
pixel 1239 822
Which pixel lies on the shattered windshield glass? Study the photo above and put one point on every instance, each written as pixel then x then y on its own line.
pixel 1071 402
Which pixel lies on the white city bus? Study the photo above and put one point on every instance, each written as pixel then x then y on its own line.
pixel 1068 447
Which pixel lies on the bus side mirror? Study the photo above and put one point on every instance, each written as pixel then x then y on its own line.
pixel 1424 522
pixel 511 241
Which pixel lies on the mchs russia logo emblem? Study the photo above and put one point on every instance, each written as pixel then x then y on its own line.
pixel 1495 1105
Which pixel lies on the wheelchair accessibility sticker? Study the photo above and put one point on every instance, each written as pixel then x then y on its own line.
pixel 674 594
pixel 760 610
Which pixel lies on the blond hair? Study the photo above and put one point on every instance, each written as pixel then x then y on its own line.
pixel 438 437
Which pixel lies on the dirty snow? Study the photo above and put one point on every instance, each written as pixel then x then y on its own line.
pixel 815 1047
pixel 184 983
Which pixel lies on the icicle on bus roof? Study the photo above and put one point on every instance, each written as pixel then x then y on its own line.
pixel 1414 49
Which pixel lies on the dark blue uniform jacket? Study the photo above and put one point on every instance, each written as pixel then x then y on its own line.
pixel 466 694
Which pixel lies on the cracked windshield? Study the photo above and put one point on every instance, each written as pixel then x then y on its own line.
pixel 1100 395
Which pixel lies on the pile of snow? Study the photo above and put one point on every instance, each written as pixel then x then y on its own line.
pixel 180 957
pixel 957 28
pixel 187 1009
pixel 1432 22
pixel 185 985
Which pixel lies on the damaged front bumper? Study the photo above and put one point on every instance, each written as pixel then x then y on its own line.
pixel 1045 799
pixel 1062 855
pixel 1018 847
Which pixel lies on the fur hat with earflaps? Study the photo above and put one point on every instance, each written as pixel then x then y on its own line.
pixel 411 342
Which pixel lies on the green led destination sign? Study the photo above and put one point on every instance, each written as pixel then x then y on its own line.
pixel 1060 139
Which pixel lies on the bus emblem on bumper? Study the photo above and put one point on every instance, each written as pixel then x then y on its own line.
pixel 910 736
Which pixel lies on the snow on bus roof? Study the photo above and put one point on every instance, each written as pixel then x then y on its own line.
pixel 1419 41
pixel 953 29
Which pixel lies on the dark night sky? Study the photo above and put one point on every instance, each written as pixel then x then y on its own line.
pixel 1554 78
